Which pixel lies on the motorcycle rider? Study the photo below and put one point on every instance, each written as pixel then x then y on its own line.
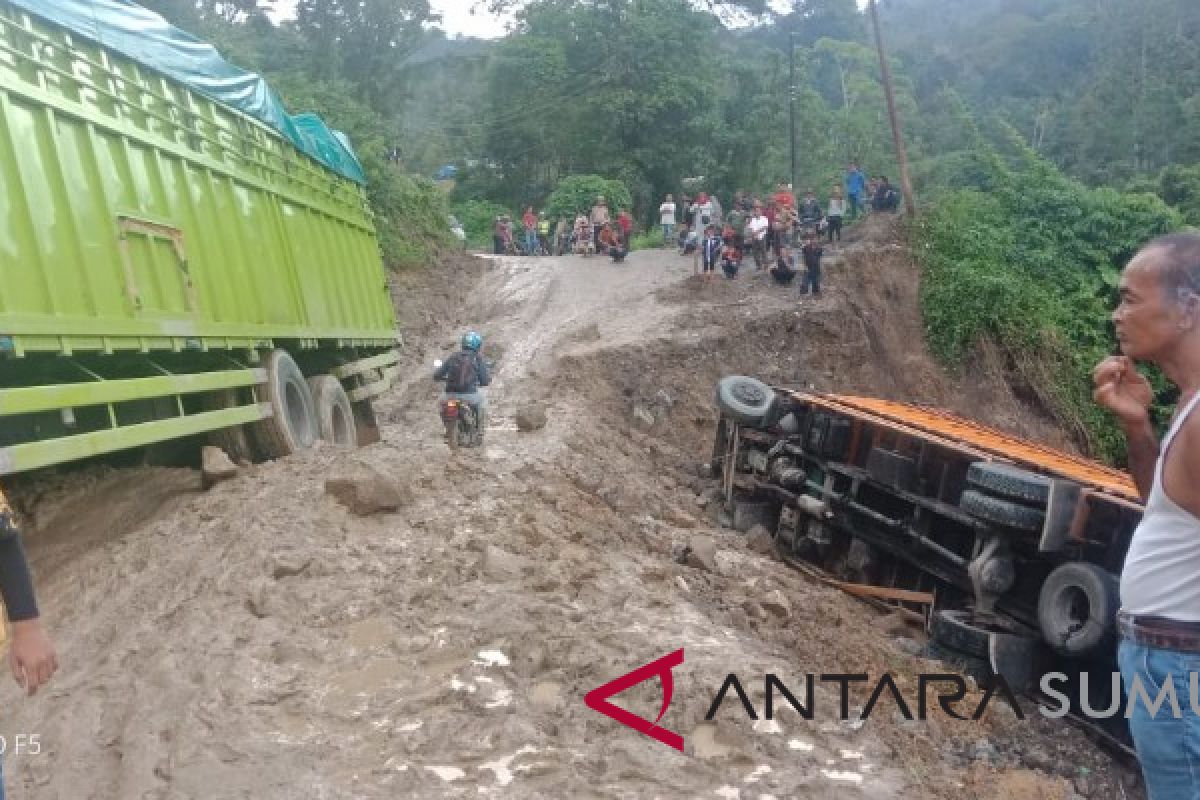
pixel 464 373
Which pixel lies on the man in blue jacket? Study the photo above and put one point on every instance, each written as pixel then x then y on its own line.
pixel 464 373
pixel 856 189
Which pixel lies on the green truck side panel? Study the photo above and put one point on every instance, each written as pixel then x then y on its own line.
pixel 138 214
pixel 32 399
pixel 35 455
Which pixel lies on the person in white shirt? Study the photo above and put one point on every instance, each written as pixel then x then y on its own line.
pixel 834 213
pixel 667 215
pixel 756 230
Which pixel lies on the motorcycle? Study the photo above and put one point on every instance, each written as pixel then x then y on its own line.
pixel 460 421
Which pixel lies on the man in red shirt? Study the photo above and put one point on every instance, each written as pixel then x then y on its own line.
pixel 529 220
pixel 625 221
pixel 783 197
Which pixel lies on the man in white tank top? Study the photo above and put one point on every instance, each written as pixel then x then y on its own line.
pixel 1158 321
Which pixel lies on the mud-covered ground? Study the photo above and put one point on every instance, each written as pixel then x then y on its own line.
pixel 259 641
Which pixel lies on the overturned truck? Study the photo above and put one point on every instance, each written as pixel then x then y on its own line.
pixel 1020 545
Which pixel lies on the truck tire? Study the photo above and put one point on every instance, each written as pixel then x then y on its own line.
pixel 235 441
pixel 1010 483
pixel 293 426
pixel 1077 608
pixel 746 400
pixel 335 417
pixel 964 632
pixel 1002 512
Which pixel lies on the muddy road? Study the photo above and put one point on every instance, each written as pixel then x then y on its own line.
pixel 259 640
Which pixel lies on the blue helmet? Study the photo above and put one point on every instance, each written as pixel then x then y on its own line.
pixel 472 341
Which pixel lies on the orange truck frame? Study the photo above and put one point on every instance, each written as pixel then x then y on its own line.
pixel 1020 545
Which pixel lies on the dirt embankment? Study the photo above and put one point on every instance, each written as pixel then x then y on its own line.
pixel 258 640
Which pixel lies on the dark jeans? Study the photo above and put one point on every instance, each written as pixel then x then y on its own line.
pixel 498 245
pixel 812 279
pixel 835 226
pixel 617 253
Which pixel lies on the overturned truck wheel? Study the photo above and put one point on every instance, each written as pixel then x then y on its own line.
pixel 1077 608
pixel 1002 512
pixel 747 401
pixel 1010 483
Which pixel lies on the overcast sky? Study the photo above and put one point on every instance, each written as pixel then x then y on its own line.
pixel 460 17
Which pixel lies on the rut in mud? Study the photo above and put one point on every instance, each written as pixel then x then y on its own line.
pixel 258 640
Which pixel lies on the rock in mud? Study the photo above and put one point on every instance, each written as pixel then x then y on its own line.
pixel 366 491
pixel 759 540
pixel 753 610
pixel 673 516
pixel 702 553
pixel 216 467
pixel 256 601
pixel 501 565
pixel 531 417
pixel 777 603
pixel 643 417
pixel 289 566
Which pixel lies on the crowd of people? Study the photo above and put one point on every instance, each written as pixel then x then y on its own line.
pixel 775 231
pixel 599 231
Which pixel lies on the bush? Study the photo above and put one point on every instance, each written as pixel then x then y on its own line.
pixel 477 218
pixel 1033 265
pixel 411 215
pixel 577 194
pixel 650 240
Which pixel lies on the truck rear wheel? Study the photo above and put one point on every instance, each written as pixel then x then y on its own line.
pixel 335 417
pixel 293 426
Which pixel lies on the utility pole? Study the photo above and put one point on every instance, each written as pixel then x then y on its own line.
pixel 910 203
pixel 792 106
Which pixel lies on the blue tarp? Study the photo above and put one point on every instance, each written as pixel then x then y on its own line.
pixel 149 39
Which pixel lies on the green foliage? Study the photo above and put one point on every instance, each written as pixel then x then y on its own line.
pixel 648 240
pixel 577 194
pixel 478 218
pixel 1033 265
pixel 1180 187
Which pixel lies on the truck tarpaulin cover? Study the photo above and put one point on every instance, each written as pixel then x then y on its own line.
pixel 149 39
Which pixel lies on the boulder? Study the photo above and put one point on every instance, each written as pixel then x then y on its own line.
pixel 366 491
pixel 216 467
pixel 702 553
pixel 531 417
pixel 759 540
pixel 501 565
pixel 777 603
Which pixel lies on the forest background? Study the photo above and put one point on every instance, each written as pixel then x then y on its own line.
pixel 1048 139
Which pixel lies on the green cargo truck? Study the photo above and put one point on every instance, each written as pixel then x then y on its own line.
pixel 178 256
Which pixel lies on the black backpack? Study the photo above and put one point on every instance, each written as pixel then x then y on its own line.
pixel 462 373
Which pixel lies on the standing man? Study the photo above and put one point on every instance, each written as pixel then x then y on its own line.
pixel 758 228
pixel 31 655
pixel 1158 322
pixel 599 218
pixel 856 188
pixel 666 214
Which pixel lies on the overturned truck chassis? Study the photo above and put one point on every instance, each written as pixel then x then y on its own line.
pixel 1019 544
